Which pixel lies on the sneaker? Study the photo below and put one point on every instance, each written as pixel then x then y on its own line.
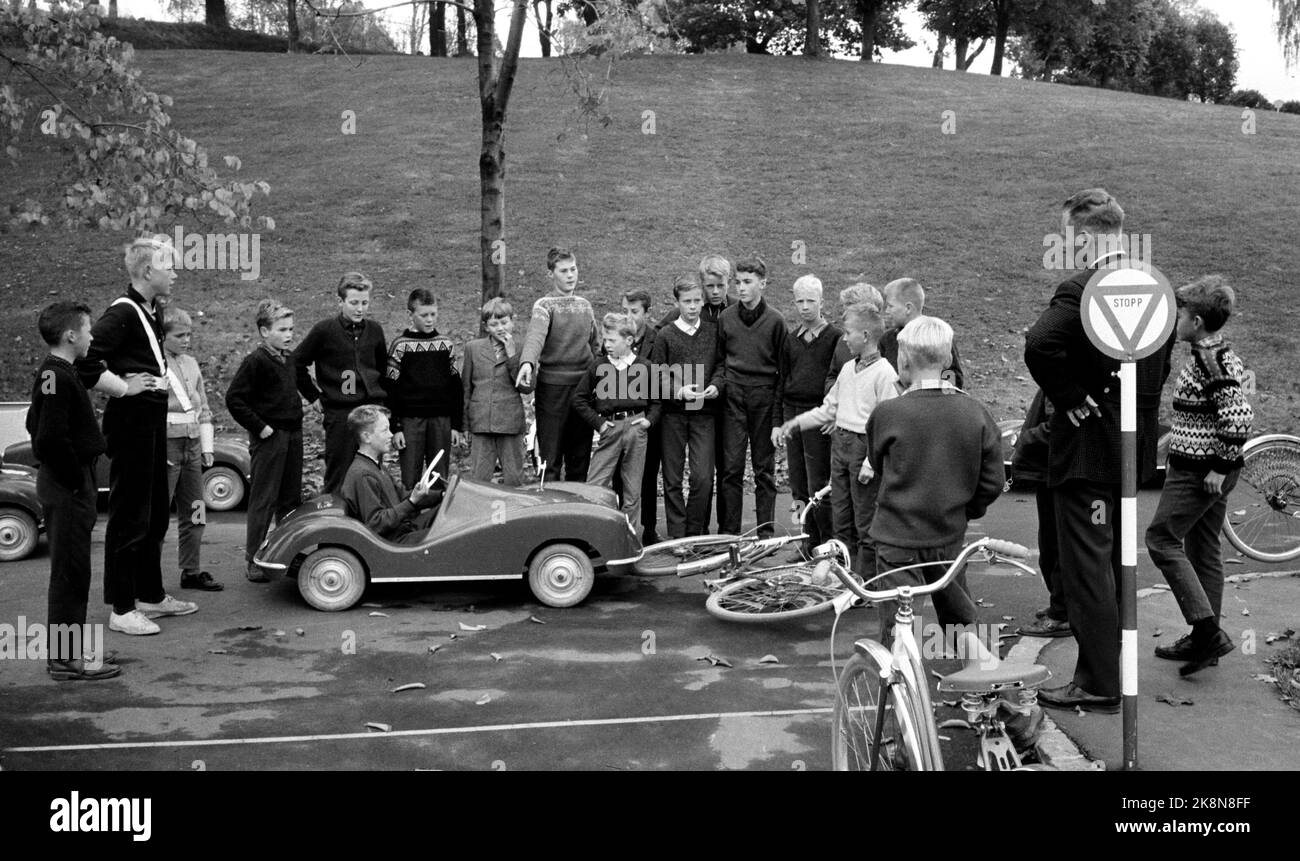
pixel 1046 626
pixel 202 580
pixel 134 623
pixel 168 606
pixel 1180 650
pixel 255 574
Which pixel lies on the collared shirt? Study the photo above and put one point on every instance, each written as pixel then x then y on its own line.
pixel 749 316
pixel 624 363
pixel 810 333
pixel 932 384
pixel 1209 341
pixel 280 356
pixel 690 330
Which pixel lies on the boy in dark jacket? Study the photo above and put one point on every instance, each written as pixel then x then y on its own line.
pixel 349 355
pixel 424 390
pixel 1029 469
pixel 369 492
pixel 264 400
pixel 66 440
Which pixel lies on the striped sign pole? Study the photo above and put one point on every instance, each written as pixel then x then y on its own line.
pixel 1128 313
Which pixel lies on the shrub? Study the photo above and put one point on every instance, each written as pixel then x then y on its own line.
pixel 1248 99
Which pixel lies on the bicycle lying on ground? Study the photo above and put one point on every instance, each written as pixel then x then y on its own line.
pixel 1263 520
pixel 883 718
pixel 746 591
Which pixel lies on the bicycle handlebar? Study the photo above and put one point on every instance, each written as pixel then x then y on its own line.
pixel 992 545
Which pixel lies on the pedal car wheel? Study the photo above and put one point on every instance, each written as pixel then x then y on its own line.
pixel 332 579
pixel 223 488
pixel 560 575
pixel 18 534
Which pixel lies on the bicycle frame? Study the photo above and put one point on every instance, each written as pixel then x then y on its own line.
pixel 731 561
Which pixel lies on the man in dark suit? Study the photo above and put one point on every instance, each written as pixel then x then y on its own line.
pixel 1084 454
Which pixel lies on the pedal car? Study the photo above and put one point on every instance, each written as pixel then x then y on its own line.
pixel 558 537
pixel 20 514
pixel 225 483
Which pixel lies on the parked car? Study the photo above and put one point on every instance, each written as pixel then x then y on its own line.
pixel 1010 429
pixel 225 483
pixel 558 537
pixel 20 514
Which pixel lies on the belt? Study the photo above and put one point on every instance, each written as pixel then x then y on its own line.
pixel 188 418
pixel 625 414
pixel 839 429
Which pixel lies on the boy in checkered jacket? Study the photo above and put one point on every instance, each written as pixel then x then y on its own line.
pixel 1212 420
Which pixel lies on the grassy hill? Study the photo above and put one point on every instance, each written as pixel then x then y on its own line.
pixel 750 155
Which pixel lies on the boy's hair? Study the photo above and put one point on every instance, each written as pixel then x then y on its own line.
pixel 684 283
pixel 58 317
pixel 1210 298
pixel 421 296
pixel 147 251
pixel 867 316
pixel 619 323
pixel 497 306
pixel 641 296
pixel 808 282
pixel 363 418
pixel 856 294
pixel 1094 210
pixel 753 264
pixel 556 254
pixel 353 281
pixel 716 264
pixel 268 311
pixel 173 317
pixel 907 290
pixel 927 342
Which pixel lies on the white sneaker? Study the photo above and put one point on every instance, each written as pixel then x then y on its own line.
pixel 168 606
pixel 134 623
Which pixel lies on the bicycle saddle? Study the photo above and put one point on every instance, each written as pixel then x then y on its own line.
pixel 983 672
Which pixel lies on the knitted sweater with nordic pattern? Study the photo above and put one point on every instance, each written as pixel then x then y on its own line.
pixel 1212 417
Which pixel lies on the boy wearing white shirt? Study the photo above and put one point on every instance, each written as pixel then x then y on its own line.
pixel 862 384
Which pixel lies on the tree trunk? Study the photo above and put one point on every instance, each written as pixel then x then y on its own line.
pixel 292 21
pixel 543 24
pixel 1002 13
pixel 495 80
pixel 870 12
pixel 462 39
pixel 970 60
pixel 937 62
pixel 214 13
pixel 112 8
pixel 960 45
pixel 437 29
pixel 812 45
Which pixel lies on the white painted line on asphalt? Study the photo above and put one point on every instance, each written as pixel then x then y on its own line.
pixel 1057 749
pixel 407 733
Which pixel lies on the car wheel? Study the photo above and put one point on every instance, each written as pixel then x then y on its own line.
pixel 332 579
pixel 223 488
pixel 18 534
pixel 560 575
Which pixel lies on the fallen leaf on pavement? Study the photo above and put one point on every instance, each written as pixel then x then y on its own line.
pixel 277 633
pixel 465 627
pixel 300 632
pixel 496 657
pixel 1008 618
pixel 1157 632
pixel 483 700
pixel 435 647
pixel 1264 677
pixel 1233 562
pixel 381 727
pixel 452 636
pixel 250 627
pixel 1245 611
pixel 769 659
pixel 715 661
pixel 413 686
pixel 535 619
pixel 374 604
pixel 379 614
pixel 218 652
pixel 1273 636
pixel 982 603
pixel 1174 700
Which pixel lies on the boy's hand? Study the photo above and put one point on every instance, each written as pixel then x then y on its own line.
pixel 866 473
pixel 207 459
pixel 642 422
pixel 710 393
pixel 607 426
pixel 689 393
pixel 778 436
pixel 828 428
pixel 1082 411
pixel 421 492
pixel 459 438
pixel 1213 482
pixel 399 441
pixel 266 432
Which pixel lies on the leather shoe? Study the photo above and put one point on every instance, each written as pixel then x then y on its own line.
pixel 1071 696
pixel 1046 626
pixel 77 671
pixel 1207 653
pixel 202 580
pixel 256 574
pixel 1180 650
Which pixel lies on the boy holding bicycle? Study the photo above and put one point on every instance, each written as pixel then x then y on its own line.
pixel 937 454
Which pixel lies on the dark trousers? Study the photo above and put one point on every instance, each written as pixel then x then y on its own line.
pixel 563 438
pixel 687 433
pixel 276 484
pixel 69 519
pixel 340 446
pixel 1049 560
pixel 953 605
pixel 425 436
pixel 747 424
pixel 1088 535
pixel 719 458
pixel 808 459
pixel 1183 540
pixel 138 503
pixel 853 504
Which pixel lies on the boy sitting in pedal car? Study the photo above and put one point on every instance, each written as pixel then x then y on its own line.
pixel 371 495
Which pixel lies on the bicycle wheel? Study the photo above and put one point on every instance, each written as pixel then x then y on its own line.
pixel 1263 519
pixel 859 697
pixel 666 557
pixel 773 595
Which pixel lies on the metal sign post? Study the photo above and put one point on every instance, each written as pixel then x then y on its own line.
pixel 1128 314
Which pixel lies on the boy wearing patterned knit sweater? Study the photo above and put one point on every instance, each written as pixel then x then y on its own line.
pixel 864 382
pixel 938 454
pixel 1211 423
pixel 561 344
pixel 425 394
